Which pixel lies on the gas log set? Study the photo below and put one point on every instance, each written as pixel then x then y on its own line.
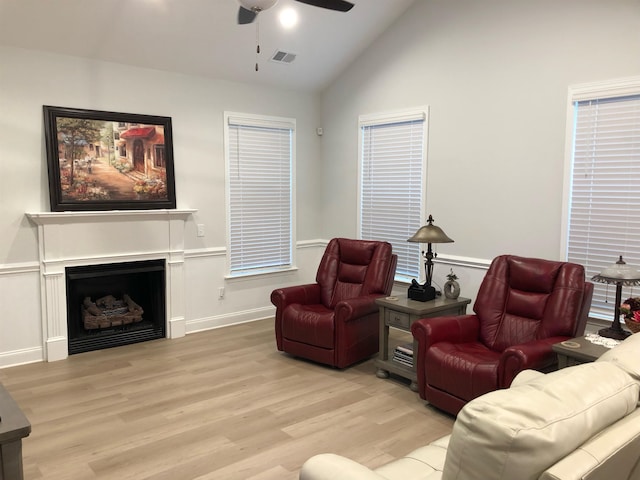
pixel 109 312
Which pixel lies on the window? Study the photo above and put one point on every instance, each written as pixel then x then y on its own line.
pixel 392 183
pixel 260 159
pixel 160 160
pixel 603 204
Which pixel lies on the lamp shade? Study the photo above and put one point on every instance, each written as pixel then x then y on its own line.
pixel 618 273
pixel 429 233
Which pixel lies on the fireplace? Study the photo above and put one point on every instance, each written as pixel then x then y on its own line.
pixel 103 238
pixel 115 304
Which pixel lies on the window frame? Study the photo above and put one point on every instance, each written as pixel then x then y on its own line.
pixel 610 89
pixel 390 118
pixel 259 121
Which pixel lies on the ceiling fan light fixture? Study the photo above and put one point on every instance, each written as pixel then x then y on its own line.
pixel 288 18
pixel 249 9
pixel 257 5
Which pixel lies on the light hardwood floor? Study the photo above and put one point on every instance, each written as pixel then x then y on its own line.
pixel 220 404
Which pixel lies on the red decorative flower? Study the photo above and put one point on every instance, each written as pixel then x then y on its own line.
pixel 630 308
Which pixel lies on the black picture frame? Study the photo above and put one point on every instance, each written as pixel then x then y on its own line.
pixel 101 160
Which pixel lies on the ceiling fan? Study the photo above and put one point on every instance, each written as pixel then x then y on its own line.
pixel 249 9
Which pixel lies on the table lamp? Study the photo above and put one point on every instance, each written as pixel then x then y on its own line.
pixel 428 234
pixel 618 274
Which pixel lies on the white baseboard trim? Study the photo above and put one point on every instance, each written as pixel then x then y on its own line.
pixel 21 357
pixel 217 321
pixel 177 327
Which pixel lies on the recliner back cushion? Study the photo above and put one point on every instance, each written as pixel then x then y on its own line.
pixel 351 268
pixel 519 432
pixel 524 299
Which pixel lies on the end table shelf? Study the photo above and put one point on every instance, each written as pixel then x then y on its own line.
pixel 400 312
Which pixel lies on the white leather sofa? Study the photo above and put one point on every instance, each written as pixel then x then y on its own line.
pixel 580 422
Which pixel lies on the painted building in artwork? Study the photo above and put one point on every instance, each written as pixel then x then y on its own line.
pixel 142 146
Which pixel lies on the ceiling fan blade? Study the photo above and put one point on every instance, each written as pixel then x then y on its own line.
pixel 339 5
pixel 246 16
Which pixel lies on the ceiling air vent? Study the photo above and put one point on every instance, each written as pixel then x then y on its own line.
pixel 283 57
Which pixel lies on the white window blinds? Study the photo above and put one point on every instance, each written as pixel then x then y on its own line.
pixel 604 219
pixel 259 171
pixel 392 180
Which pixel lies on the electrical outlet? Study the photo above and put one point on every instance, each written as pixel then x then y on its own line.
pixel 201 229
pixel 221 292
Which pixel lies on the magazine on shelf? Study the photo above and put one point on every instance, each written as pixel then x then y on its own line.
pixel 405 348
pixel 406 361
pixel 400 354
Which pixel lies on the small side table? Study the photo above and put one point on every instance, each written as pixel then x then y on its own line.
pixel 14 426
pixel 576 351
pixel 400 313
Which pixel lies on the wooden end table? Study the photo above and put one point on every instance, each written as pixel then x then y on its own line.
pixel 14 426
pixel 400 312
pixel 576 351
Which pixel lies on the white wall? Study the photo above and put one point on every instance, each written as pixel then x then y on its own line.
pixel 29 80
pixel 495 74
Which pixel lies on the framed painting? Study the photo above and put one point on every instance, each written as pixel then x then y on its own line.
pixel 108 161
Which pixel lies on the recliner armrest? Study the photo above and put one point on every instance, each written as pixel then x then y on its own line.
pixel 302 294
pixel 356 307
pixel 455 329
pixel 427 331
pixel 535 355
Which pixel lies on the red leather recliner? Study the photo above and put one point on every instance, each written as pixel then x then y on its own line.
pixel 335 321
pixel 523 307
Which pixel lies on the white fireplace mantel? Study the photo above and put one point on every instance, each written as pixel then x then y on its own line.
pixel 97 237
pixel 42 218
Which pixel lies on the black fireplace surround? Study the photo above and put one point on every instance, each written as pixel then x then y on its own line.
pixel 143 282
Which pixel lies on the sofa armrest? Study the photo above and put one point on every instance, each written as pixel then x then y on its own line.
pixel 551 416
pixel 536 355
pixel 612 453
pixel 526 376
pixel 328 466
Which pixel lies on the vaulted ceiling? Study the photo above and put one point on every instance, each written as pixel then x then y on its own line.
pixel 202 37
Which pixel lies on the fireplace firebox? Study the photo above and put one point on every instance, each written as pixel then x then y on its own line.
pixel 115 304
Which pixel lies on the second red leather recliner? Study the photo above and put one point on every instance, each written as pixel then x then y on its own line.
pixel 523 307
